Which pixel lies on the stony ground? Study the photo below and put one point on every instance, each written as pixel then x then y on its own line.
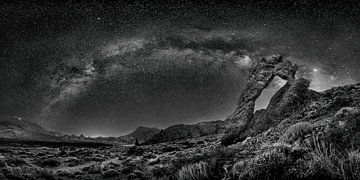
pixel 20 161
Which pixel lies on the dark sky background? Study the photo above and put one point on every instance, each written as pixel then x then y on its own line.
pixel 104 68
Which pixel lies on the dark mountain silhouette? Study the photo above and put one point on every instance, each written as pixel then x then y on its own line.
pixel 182 131
pixel 19 128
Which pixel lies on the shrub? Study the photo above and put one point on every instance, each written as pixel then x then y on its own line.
pixel 215 159
pixel 297 131
pixel 136 151
pixel 45 174
pixel 15 161
pixel 218 159
pixel 50 162
pixel 344 138
pixel 197 171
pixel 178 163
pixel 354 164
pixel 326 160
pixel 110 173
pixel 158 172
pixel 269 165
pixel 96 168
pixel 328 163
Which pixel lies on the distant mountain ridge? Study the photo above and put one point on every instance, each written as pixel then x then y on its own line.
pixel 143 133
pixel 182 131
pixel 19 128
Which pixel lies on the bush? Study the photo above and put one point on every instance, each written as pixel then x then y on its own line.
pixel 178 163
pixel 328 163
pixel 45 174
pixel 297 131
pixel 347 137
pixel 354 164
pixel 218 159
pixel 215 159
pixel 337 137
pixel 110 173
pixel 135 151
pixel 50 162
pixel 270 165
pixel 325 161
pixel 197 171
pixel 15 161
pixel 158 172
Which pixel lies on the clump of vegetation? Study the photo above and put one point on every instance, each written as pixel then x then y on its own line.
pixel 15 161
pixel 271 164
pixel 297 131
pixel 354 164
pixel 46 175
pixel 50 162
pixel 215 160
pixel 219 158
pixel 346 137
pixel 136 151
pixel 326 162
pixel 197 171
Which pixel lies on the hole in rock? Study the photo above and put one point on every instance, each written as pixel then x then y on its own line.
pixel 264 99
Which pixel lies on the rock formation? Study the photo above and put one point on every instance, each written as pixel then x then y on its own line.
pixel 260 76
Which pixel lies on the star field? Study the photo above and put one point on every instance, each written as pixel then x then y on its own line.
pixel 105 68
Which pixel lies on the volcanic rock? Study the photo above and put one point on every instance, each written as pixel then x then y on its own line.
pixel 260 76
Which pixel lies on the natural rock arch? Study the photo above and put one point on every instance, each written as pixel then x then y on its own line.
pixel 261 74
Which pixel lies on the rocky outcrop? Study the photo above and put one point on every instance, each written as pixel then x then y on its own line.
pixel 261 73
pixel 282 105
pixel 294 102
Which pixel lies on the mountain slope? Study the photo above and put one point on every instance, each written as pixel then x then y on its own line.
pixel 182 131
pixel 142 133
pixel 22 129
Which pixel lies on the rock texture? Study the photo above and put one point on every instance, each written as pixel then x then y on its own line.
pixel 260 76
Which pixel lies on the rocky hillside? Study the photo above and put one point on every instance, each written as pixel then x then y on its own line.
pixel 181 131
pixel 142 134
pixel 294 102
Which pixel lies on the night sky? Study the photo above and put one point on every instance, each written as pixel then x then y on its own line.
pixel 104 68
